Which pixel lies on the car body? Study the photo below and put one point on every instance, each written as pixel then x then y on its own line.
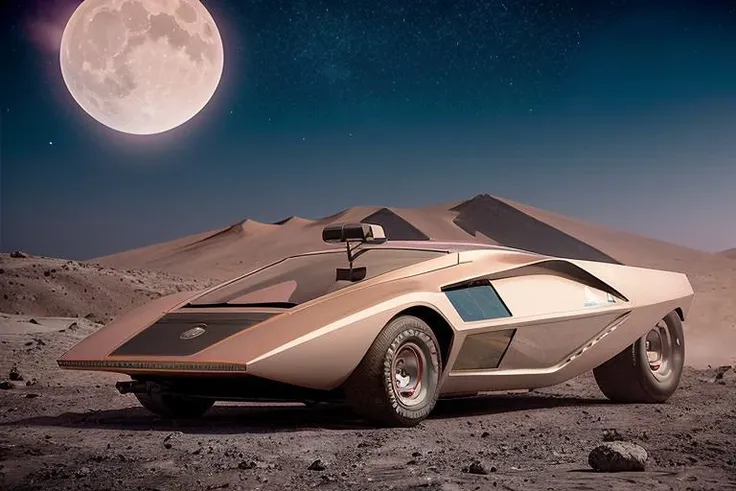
pixel 299 329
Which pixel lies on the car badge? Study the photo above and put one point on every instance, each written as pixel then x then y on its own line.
pixel 194 332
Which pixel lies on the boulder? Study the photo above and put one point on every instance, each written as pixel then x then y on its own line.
pixel 618 456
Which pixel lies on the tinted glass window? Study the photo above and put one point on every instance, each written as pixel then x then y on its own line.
pixel 479 302
pixel 301 279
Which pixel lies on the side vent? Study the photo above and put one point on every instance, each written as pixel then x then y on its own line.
pixel 483 351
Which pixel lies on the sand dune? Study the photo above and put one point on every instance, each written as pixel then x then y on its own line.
pixel 626 247
pixel 437 223
pixel 510 226
pixel 729 253
pixel 234 250
pixel 249 244
pixel 295 221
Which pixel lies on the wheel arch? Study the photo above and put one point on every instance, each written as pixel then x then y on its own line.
pixel 439 325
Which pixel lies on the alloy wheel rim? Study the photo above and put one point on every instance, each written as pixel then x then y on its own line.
pixel 410 374
pixel 658 344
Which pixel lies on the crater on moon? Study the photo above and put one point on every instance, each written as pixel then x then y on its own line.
pixel 141 66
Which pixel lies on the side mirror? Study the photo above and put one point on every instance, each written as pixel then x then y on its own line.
pixel 353 232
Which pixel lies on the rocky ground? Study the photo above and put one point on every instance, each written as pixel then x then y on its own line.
pixel 65 430
pixel 42 286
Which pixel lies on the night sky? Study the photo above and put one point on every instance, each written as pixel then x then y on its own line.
pixel 617 112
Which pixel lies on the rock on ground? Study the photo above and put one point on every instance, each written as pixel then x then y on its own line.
pixel 618 456
pixel 72 430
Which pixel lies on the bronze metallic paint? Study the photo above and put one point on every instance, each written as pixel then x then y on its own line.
pixel 318 344
pixel 484 350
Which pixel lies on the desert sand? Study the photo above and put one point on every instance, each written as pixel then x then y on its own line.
pixel 729 253
pixel 72 430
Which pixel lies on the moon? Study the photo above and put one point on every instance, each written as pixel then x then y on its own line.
pixel 141 66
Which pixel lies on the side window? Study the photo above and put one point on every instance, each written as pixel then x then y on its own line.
pixel 477 301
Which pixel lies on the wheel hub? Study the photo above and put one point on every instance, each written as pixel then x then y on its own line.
pixel 409 368
pixel 658 345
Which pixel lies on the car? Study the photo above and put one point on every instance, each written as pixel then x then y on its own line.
pixel 388 327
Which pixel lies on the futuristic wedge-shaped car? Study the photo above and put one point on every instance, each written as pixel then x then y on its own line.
pixel 390 326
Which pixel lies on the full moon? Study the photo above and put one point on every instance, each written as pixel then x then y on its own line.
pixel 141 66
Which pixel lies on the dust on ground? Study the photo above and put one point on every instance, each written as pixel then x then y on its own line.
pixel 72 430
pixel 42 286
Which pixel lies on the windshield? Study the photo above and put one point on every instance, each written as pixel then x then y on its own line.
pixel 303 278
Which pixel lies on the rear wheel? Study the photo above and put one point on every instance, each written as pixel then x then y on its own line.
pixel 649 370
pixel 397 381
pixel 174 406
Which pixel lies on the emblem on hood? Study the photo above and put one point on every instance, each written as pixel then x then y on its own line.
pixel 194 332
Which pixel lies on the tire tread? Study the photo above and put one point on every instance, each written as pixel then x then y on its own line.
pixel 622 378
pixel 365 388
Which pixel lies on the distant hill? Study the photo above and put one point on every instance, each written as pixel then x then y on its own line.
pixel 42 286
pixel 729 253
pixel 486 219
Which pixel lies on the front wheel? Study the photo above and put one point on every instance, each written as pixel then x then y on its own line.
pixel 397 381
pixel 649 370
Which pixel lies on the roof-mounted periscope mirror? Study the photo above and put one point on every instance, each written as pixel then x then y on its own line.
pixel 353 232
pixel 362 233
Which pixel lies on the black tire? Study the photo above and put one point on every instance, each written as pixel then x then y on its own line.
pixel 174 406
pixel 373 390
pixel 628 377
